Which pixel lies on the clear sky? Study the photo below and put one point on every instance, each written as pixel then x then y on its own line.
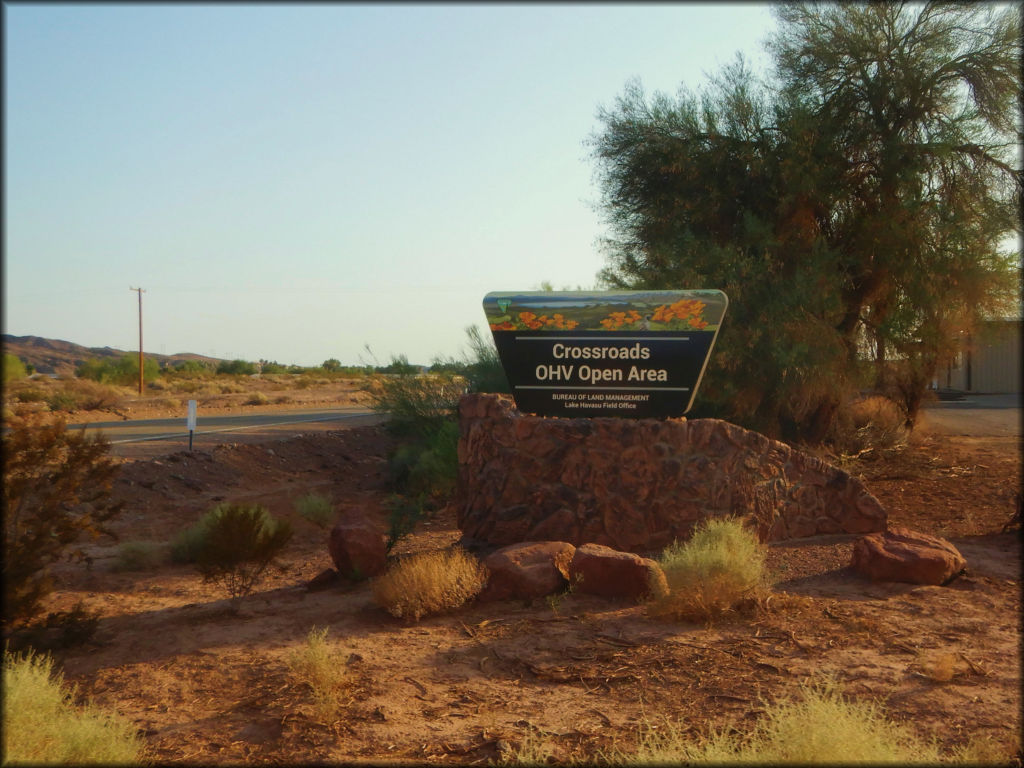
pixel 294 182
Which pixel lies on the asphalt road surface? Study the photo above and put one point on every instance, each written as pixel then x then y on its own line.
pixel 147 437
pixel 975 416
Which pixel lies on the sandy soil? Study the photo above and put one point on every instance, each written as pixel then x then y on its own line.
pixel 207 685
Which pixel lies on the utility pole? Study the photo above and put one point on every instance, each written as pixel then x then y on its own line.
pixel 140 292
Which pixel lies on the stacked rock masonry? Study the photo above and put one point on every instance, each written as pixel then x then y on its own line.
pixel 638 485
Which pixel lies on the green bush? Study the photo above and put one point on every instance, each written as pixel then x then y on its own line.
pixel 415 405
pixel 43 726
pixel 139 556
pixel 123 371
pixel 30 395
pixel 62 401
pixel 427 467
pixel 316 509
pixel 722 564
pixel 14 368
pixel 238 543
pixel 237 367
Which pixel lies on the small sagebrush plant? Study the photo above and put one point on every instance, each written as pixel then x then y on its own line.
pixel 41 725
pixel 236 545
pixel 819 727
pixel 322 668
pixel 722 564
pixel 315 508
pixel 139 556
pixel 429 583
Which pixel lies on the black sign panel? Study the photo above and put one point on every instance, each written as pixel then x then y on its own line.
pixel 637 354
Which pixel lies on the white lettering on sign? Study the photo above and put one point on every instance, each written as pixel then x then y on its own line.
pixel 191 416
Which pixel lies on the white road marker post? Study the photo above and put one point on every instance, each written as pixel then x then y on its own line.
pixel 191 422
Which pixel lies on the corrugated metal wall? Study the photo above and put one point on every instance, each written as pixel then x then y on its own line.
pixel 990 363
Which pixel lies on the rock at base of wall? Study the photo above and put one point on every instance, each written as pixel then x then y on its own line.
pixel 903 555
pixel 637 485
pixel 599 570
pixel 527 570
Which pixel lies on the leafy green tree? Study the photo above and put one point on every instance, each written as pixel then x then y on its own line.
pixel 856 202
pixel 123 371
pixel 331 364
pixel 236 367
pixel 14 368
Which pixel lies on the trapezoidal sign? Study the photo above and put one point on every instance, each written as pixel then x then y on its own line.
pixel 634 354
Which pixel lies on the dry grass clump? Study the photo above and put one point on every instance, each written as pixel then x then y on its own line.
pixel 820 727
pixel 140 556
pixel 41 724
pixel 720 566
pixel 320 667
pixel 867 423
pixel 429 583
pixel 315 508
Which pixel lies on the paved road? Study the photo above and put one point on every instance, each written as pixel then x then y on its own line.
pixel 161 436
pixel 975 416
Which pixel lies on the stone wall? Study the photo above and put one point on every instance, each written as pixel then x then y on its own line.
pixel 637 485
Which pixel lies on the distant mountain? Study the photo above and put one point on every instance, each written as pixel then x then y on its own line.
pixel 64 357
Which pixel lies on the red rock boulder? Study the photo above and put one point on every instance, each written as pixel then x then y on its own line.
pixel 527 570
pixel 600 570
pixel 901 554
pixel 358 545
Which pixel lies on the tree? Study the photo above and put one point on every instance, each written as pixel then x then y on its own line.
pixel 56 488
pixel 331 364
pixel 236 367
pixel 14 368
pixel 857 199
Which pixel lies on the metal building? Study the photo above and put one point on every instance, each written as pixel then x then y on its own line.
pixel 989 362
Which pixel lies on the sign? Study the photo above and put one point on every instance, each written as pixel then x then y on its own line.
pixel 634 354
pixel 191 415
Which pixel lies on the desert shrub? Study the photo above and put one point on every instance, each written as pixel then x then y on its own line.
pixel 722 564
pixel 315 508
pixel 257 398
pixel 403 516
pixel 82 395
pixel 123 371
pixel 60 629
pixel 237 545
pixel 820 727
pixel 30 395
pixel 14 368
pixel 139 556
pixel 868 422
pixel 43 726
pixel 321 668
pixel 62 401
pixel 427 466
pixel 480 367
pixel 56 489
pixel 186 545
pixel 429 583
pixel 415 405
pixel 237 367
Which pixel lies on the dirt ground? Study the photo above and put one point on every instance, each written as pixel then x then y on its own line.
pixel 209 686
